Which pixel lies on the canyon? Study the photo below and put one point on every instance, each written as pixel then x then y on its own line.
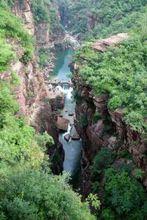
pixel 69 90
pixel 41 104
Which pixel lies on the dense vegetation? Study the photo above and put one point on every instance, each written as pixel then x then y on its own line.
pixel 28 189
pixel 11 27
pixel 123 194
pixel 93 19
pixel 45 11
pixel 121 73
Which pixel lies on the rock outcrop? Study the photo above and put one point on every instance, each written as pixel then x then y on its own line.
pixel 32 93
pixel 102 45
pixel 100 128
pixel 23 10
pixel 62 123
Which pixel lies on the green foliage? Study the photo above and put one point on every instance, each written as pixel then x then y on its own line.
pixel 36 195
pixel 7 105
pixel 44 57
pixel 123 193
pixel 108 214
pixel 12 27
pixel 26 191
pixel 44 140
pixel 93 201
pixel 138 173
pixel 45 11
pixel 136 119
pixel 92 18
pixel 6 55
pixel 15 79
pixel 17 145
pixel 102 160
pixel 55 24
pixel 40 10
pixel 10 3
pixel 121 73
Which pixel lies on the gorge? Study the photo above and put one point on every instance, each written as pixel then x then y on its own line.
pixel 73 113
pixel 70 140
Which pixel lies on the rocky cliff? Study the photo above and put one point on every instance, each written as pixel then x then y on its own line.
pixel 108 131
pixel 32 90
pixel 101 128
pixel 32 93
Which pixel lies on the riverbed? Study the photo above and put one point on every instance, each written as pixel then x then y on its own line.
pixel 72 148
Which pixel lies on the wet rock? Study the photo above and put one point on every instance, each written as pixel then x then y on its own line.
pixel 57 100
pixel 62 123
pixel 67 137
pixel 112 142
pixel 73 133
pixel 71 114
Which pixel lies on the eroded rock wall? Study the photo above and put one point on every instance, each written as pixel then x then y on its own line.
pixel 32 92
pixel 107 130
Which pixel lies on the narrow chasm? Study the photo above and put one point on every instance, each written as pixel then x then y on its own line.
pixel 60 81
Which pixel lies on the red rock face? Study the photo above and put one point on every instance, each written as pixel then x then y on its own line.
pixel 62 123
pixel 42 34
pixel 23 10
pixel 102 45
pixel 32 93
pixel 112 133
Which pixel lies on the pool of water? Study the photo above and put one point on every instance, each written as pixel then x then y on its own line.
pixel 62 70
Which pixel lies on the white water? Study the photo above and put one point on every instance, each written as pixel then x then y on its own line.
pixel 72 148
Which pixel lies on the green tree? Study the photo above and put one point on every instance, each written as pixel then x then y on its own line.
pixel 123 193
pixel 36 195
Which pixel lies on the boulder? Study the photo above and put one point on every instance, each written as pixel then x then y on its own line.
pixel 62 123
pixel 71 114
pixel 102 45
pixel 73 133
pixel 67 137
pixel 112 142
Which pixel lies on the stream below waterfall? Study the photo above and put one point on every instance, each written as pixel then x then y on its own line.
pixel 72 148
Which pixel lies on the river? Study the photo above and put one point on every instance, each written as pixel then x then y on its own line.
pixel 72 148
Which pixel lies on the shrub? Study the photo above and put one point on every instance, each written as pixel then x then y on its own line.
pixel 6 55
pixel 12 27
pixel 121 73
pixel 102 160
pixel 123 193
pixel 36 195
pixel 100 18
pixel 40 10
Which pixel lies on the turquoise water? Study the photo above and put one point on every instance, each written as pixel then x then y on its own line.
pixel 72 148
pixel 63 59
